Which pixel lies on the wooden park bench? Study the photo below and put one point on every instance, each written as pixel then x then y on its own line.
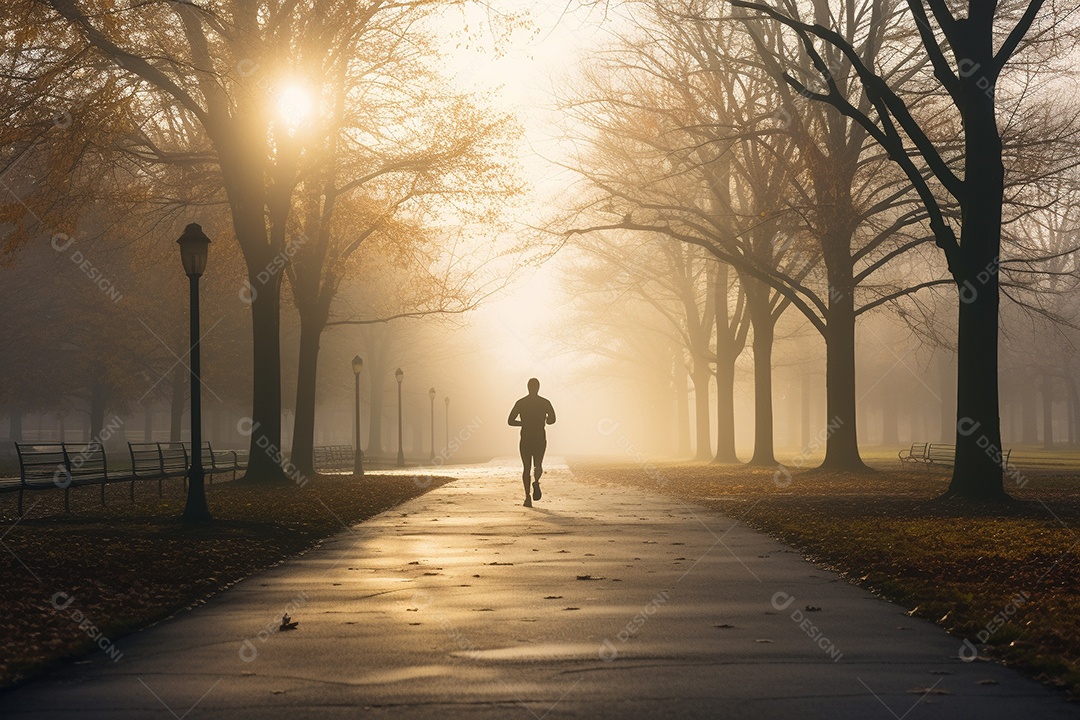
pixel 215 462
pixel 333 457
pixel 940 454
pixel 48 466
pixel 222 461
pixel 915 453
pixel 157 461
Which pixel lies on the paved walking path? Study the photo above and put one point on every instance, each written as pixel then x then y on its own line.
pixel 595 603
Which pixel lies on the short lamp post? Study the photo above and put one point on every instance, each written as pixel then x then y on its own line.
pixel 431 394
pixel 399 374
pixel 358 456
pixel 446 447
pixel 194 247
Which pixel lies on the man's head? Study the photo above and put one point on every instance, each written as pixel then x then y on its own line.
pixel 534 386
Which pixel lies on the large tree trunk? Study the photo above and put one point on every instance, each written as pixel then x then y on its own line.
pixel 1048 412
pixel 264 464
pixel 842 436
pixel 977 473
pixel 727 353
pixel 682 407
pixel 947 392
pixel 303 443
pixel 725 409
pixel 757 297
pixel 243 159
pixel 703 436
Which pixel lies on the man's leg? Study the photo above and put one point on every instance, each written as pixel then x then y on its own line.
pixel 526 460
pixel 539 448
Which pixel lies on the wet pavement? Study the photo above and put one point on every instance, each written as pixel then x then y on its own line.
pixel 595 603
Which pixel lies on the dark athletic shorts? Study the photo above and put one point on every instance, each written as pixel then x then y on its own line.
pixel 532 451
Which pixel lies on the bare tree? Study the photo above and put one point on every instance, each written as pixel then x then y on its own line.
pixel 968 55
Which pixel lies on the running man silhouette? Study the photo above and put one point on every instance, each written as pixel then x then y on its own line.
pixel 531 413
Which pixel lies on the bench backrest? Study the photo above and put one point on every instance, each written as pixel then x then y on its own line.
pixel 938 452
pixel 87 462
pixel 207 453
pixel 333 456
pixel 43 463
pixel 145 459
pixel 61 463
pixel 174 458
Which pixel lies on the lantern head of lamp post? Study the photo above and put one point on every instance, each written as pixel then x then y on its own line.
pixel 194 247
pixel 399 374
pixel 357 365
pixel 431 393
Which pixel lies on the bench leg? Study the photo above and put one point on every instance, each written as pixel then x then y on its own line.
pixel 103 494
pixel 20 501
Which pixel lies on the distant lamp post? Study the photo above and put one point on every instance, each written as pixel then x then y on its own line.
pixel 194 247
pixel 400 450
pixel 358 456
pixel 431 394
pixel 447 445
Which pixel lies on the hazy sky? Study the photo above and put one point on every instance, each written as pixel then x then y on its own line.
pixel 525 78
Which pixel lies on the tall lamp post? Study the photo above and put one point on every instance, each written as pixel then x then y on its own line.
pixel 358 456
pixel 447 445
pixel 400 451
pixel 194 247
pixel 431 394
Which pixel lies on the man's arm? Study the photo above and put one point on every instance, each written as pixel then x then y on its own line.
pixel 515 415
pixel 550 414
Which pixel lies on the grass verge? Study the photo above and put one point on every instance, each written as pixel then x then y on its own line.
pixel 126 566
pixel 1003 578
